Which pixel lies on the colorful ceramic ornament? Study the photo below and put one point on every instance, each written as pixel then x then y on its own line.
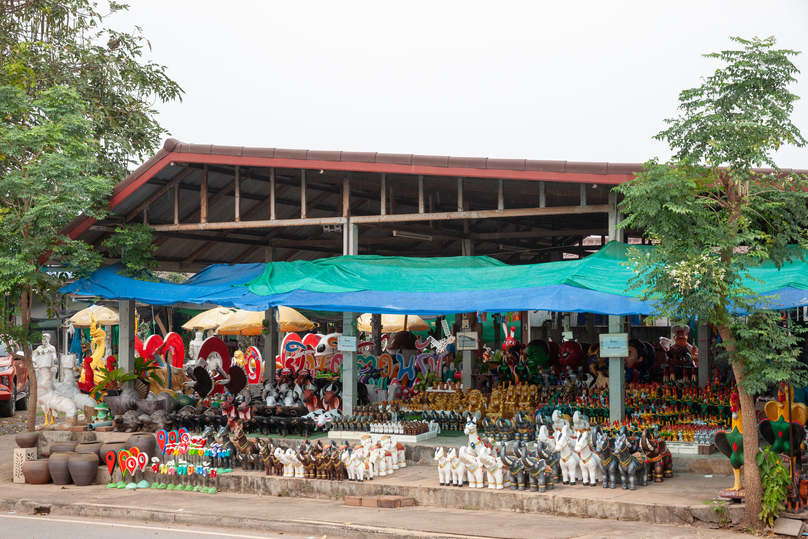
pixel 110 458
pixel 162 438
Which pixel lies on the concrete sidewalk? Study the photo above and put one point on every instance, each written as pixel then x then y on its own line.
pixel 331 518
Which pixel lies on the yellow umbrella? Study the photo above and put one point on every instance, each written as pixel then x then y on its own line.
pixel 104 316
pixel 393 323
pixel 210 319
pixel 251 322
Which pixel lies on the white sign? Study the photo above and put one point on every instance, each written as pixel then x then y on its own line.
pixel 446 330
pixel 566 335
pixel 614 345
pixel 346 343
pixel 467 340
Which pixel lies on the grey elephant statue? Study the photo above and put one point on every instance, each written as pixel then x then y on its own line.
pixel 540 474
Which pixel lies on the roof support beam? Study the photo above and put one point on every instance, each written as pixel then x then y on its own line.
pixel 203 196
pixel 302 193
pixel 237 202
pixel 272 193
pixel 160 192
pixel 420 193
pixel 384 194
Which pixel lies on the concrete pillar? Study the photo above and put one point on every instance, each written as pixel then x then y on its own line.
pixel 704 355
pixel 526 336
pixel 468 355
pixel 617 377
pixel 126 353
pixel 349 370
pixel 271 347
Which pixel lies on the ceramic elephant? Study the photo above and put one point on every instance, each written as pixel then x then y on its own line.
pixel 539 473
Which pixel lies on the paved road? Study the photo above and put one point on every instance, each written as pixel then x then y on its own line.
pixel 49 527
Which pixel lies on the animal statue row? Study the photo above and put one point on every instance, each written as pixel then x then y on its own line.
pixel 302 389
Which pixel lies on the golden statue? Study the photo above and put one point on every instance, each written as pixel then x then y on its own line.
pixel 98 337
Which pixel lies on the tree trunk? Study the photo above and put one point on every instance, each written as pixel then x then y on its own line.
pixel 753 485
pixel 25 319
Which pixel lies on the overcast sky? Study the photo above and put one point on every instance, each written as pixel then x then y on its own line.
pixel 561 80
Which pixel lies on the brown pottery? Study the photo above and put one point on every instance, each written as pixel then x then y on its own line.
pixel 145 442
pixel 27 439
pixel 83 468
pixel 63 447
pixel 57 466
pixel 91 447
pixel 36 471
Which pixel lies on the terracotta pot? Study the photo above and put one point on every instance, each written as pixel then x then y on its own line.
pixel 145 442
pixel 36 472
pixel 63 447
pixel 27 439
pixel 57 466
pixel 91 447
pixel 83 468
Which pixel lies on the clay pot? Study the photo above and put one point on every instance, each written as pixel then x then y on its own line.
pixel 63 447
pixel 91 447
pixel 27 439
pixel 57 466
pixel 117 447
pixel 83 468
pixel 145 442
pixel 36 472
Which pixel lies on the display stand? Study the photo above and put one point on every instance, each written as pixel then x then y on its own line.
pixel 357 435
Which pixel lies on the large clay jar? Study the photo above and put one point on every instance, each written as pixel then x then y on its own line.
pixel 145 442
pixel 91 447
pixel 57 466
pixel 83 468
pixel 27 439
pixel 36 471
pixel 63 447
pixel 115 447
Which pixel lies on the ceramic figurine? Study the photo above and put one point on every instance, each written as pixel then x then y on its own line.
pixel 286 462
pixel 496 473
pixel 474 468
pixel 444 467
pixel 570 461
pixel 458 468
pixel 47 397
pixel 539 473
pixel 380 468
pixel 608 461
pixel 631 467
pixel 659 458
pixel 590 462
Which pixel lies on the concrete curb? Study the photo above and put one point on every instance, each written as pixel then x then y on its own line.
pixel 254 524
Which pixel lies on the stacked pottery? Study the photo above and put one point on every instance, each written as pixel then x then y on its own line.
pixel 36 471
pixel 83 468
pixel 63 447
pixel 145 442
pixel 91 447
pixel 58 468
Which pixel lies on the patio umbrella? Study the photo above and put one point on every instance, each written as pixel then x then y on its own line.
pixel 251 322
pixel 393 323
pixel 104 316
pixel 210 319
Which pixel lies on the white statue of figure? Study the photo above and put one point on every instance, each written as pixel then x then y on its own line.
pixel 196 344
pixel 47 397
pixel 45 353
pixel 69 387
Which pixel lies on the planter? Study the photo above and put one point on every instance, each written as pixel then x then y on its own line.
pixel 145 442
pixel 113 393
pixel 91 447
pixel 83 468
pixel 117 447
pixel 36 472
pixel 63 447
pixel 57 466
pixel 142 388
pixel 27 439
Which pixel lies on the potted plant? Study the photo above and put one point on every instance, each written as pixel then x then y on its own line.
pixel 145 372
pixel 112 381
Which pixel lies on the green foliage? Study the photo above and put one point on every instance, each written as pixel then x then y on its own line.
pixel 133 244
pixel 719 507
pixel 114 379
pixel 49 43
pixel 775 485
pixel 712 217
pixel 176 278
pixel 146 370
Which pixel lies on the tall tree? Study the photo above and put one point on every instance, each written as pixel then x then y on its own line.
pixel 712 217
pixel 77 106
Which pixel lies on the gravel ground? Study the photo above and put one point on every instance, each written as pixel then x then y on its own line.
pixel 13 425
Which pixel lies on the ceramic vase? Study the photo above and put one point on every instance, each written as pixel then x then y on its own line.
pixel 27 439
pixel 91 447
pixel 83 468
pixel 145 442
pixel 63 447
pixel 36 471
pixel 57 467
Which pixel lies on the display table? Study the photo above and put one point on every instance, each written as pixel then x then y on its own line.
pixel 357 435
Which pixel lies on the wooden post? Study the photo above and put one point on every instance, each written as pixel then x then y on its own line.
pixel 384 194
pixel 583 194
pixel 542 196
pixel 303 193
pixel 501 194
pixel 704 355
pixel 272 193
pixel 176 204
pixel 203 196
pixel 376 328
pixel 237 209
pixel 420 193
pixel 460 194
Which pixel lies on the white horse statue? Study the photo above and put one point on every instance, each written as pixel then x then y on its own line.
pixel 590 462
pixel 474 467
pixel 570 461
pixel 458 468
pixel 391 452
pixel 476 444
pixel 559 422
pixel 544 436
pixel 444 467
pixel 496 473
pixel 379 464
pixel 283 458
